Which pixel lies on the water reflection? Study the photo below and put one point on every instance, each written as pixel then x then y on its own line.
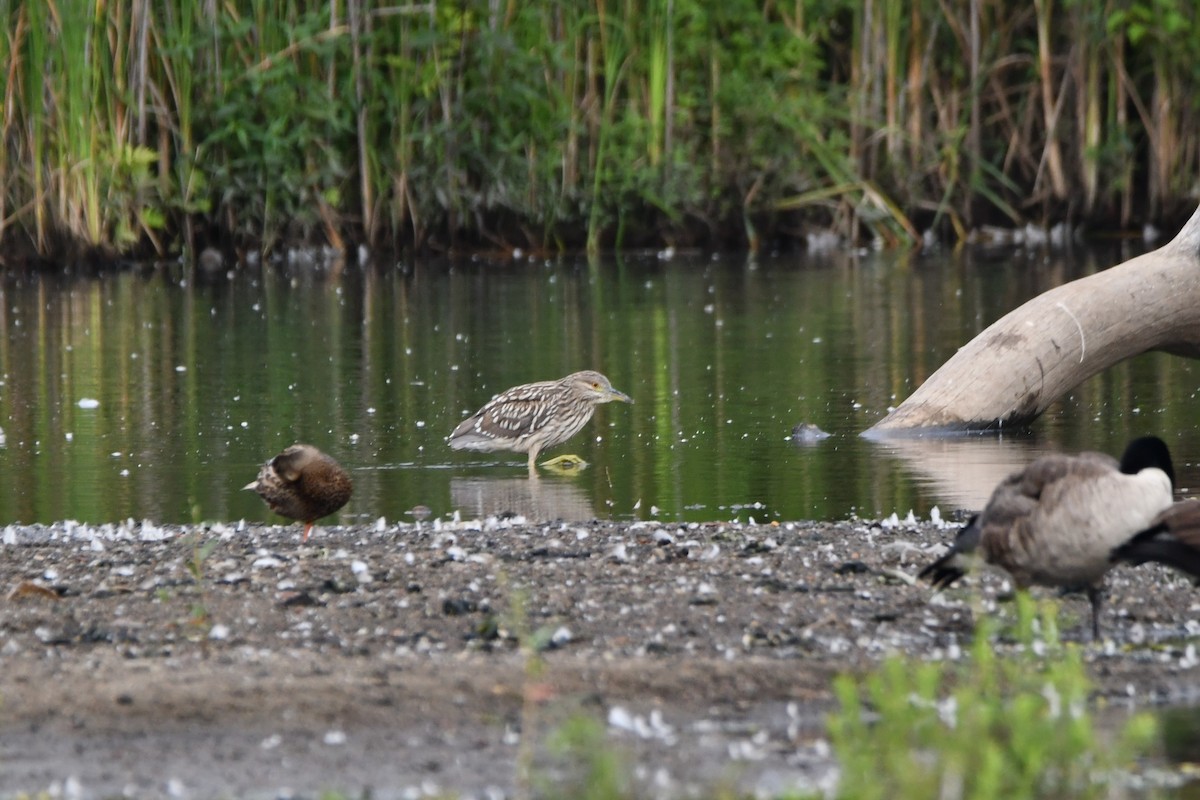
pixel 549 498
pixel 961 471
pixel 196 383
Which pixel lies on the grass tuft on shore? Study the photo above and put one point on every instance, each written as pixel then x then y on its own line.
pixel 1011 718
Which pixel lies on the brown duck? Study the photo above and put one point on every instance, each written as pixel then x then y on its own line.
pixel 304 484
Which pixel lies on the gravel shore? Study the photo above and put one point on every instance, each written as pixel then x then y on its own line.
pixel 407 660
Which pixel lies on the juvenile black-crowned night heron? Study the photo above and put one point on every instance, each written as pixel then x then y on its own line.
pixel 1064 519
pixel 304 484
pixel 534 416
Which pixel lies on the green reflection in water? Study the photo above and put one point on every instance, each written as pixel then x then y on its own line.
pixel 197 383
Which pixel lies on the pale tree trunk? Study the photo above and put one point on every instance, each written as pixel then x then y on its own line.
pixel 1008 374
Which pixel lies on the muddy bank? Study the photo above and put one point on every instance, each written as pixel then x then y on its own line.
pixel 233 660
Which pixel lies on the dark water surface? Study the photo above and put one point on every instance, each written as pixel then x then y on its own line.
pixel 145 394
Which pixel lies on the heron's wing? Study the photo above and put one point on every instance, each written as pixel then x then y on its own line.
pixel 514 413
pixel 515 417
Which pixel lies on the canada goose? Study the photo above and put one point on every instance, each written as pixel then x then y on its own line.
pixel 302 483
pixel 534 416
pixel 1058 521
pixel 1173 538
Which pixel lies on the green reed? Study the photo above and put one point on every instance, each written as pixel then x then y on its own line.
pixel 595 123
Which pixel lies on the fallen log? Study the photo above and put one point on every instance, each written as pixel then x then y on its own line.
pixel 1012 371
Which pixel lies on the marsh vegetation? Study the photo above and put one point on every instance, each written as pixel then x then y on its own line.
pixel 155 127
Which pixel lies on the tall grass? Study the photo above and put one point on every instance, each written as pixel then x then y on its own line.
pixel 586 123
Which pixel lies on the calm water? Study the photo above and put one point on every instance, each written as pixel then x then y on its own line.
pixel 143 393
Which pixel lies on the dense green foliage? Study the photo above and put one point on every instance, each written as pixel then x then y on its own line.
pixel 566 123
pixel 992 726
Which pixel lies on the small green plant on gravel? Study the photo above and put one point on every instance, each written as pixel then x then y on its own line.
pixel 515 621
pixel 986 726
pixel 201 550
pixel 586 765
pixel 595 768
